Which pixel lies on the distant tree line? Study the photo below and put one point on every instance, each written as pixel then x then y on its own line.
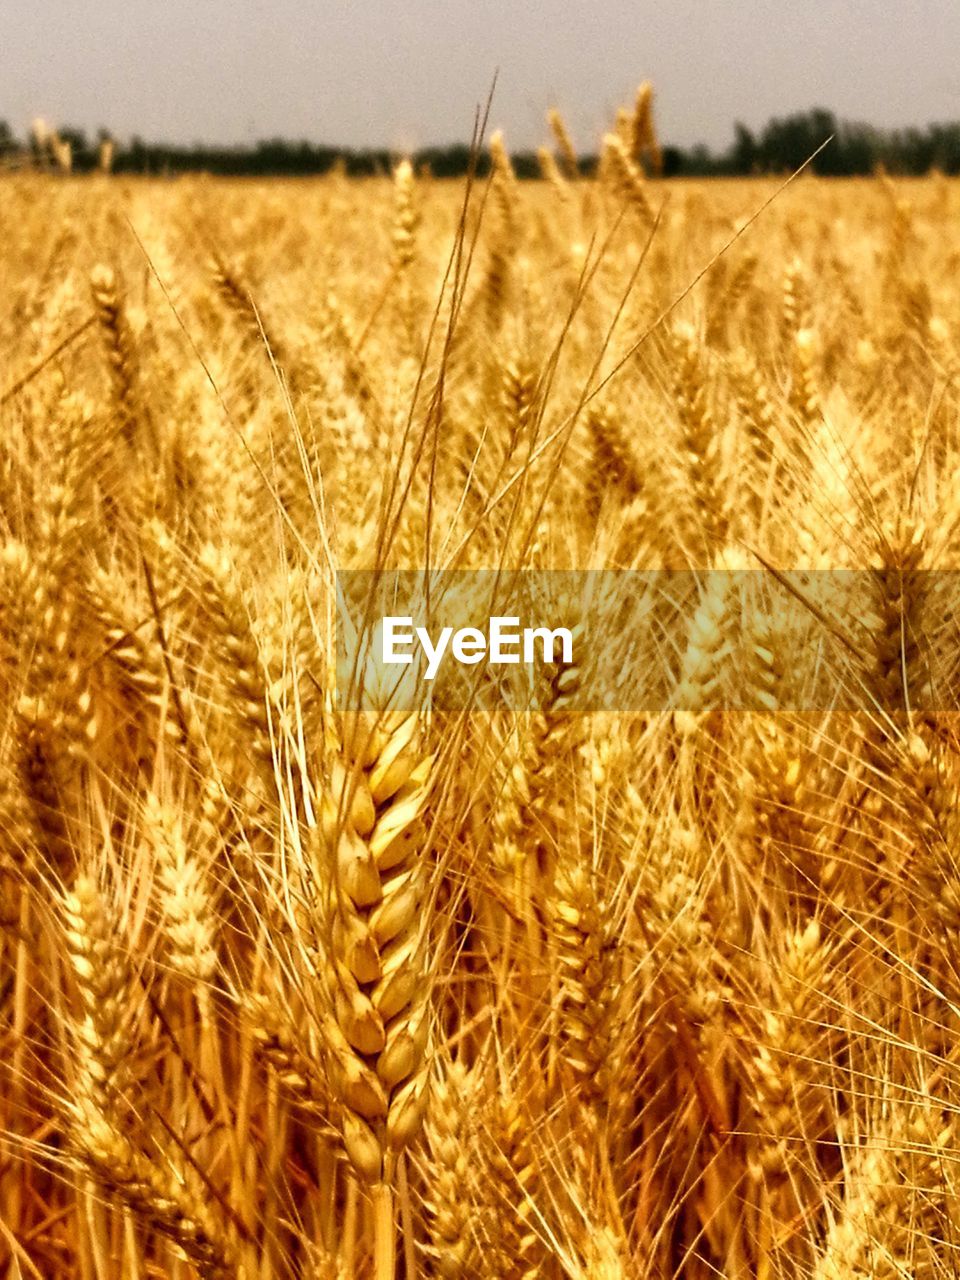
pixel 786 142
pixel 781 146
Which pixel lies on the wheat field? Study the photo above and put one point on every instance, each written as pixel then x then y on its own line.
pixel 296 984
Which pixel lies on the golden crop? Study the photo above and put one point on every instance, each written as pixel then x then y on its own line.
pixel 294 987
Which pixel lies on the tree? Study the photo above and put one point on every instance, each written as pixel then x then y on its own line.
pixel 743 156
pixel 788 142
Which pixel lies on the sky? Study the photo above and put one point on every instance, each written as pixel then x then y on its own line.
pixel 410 74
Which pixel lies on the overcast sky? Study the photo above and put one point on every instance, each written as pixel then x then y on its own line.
pixel 407 74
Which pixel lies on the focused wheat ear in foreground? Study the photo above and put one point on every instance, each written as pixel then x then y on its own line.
pixel 634 957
